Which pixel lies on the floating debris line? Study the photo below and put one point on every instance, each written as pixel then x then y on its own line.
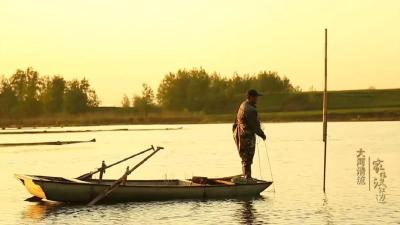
pixel 45 143
pixel 81 131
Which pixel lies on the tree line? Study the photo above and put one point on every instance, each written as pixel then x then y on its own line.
pixel 197 90
pixel 27 94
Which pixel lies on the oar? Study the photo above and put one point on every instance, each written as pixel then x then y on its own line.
pixel 87 175
pixel 122 179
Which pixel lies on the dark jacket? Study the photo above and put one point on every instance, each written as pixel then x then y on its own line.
pixel 247 123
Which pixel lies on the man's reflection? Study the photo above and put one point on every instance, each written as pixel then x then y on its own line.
pixel 248 212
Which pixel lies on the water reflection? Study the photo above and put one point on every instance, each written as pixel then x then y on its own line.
pixel 40 210
pixel 247 212
pixel 325 211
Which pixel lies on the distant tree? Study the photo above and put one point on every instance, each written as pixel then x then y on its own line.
pixel 238 85
pixel 93 99
pixel 217 95
pixel 171 92
pixel 297 88
pixel 125 102
pixel 312 89
pixel 197 89
pixel 147 94
pixel 8 98
pixel 145 102
pixel 137 102
pixel 79 97
pixel 75 99
pixel 53 94
pixel 184 89
pixel 26 85
pixel 270 82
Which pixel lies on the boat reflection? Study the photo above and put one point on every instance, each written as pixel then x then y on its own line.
pixel 246 212
pixel 41 210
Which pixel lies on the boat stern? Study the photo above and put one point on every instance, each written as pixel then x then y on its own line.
pixel 30 185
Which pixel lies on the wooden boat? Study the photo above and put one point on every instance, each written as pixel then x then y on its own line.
pixel 83 191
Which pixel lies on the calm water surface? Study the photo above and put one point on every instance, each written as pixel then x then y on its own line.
pixel 296 154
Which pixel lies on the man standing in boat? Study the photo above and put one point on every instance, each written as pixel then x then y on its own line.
pixel 246 126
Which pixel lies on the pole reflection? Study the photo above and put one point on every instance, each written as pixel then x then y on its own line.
pixel 325 209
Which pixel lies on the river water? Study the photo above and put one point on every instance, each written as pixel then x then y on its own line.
pixel 296 155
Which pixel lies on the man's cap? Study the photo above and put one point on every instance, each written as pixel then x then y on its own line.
pixel 253 92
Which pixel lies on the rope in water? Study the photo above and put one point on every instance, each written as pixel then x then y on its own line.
pixel 269 164
pixel 259 160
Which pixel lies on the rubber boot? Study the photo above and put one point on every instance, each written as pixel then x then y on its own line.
pixel 244 171
pixel 247 171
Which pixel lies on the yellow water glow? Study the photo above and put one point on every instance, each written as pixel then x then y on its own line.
pixel 118 45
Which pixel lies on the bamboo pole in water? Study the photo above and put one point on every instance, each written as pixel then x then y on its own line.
pixel 324 110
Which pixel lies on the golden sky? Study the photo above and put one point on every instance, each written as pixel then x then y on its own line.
pixel 118 45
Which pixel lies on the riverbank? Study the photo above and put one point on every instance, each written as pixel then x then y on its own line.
pixel 115 118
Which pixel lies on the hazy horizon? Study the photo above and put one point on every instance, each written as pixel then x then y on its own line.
pixel 120 45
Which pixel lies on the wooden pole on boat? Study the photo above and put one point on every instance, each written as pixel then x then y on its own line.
pixel 121 180
pixel 324 110
pixel 103 168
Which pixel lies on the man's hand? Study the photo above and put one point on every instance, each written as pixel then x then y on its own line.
pixel 263 137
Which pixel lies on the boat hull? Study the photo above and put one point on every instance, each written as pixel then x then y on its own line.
pixel 56 189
